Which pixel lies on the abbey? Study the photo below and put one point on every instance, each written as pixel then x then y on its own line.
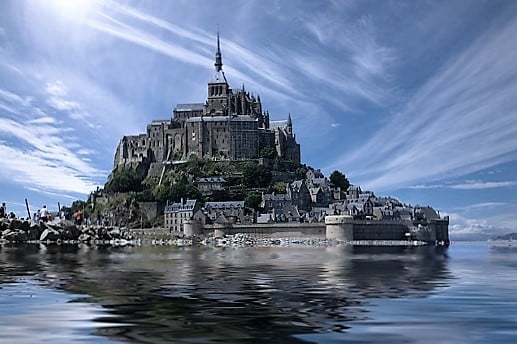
pixel 229 125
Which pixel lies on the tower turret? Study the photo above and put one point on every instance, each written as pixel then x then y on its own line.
pixel 218 88
pixel 289 125
pixel 218 58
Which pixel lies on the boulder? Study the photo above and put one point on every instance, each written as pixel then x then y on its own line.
pixel 19 224
pixel 4 224
pixel 15 235
pixel 50 234
pixel 34 232
pixel 85 237
pixel 70 233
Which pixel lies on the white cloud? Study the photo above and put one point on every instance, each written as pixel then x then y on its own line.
pixel 58 93
pixel 480 185
pixel 34 152
pixel 468 185
pixel 15 99
pixel 56 88
pixel 461 228
pixel 462 120
pixel 43 120
pixel 246 61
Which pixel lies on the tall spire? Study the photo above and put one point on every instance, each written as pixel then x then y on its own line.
pixel 218 60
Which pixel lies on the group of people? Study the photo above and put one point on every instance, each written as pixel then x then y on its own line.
pixel 4 214
pixel 44 215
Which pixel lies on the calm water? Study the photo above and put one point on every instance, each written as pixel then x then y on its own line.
pixel 63 294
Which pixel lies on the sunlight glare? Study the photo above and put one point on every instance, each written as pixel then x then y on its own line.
pixel 73 9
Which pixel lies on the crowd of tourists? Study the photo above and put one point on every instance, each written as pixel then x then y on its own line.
pixel 45 215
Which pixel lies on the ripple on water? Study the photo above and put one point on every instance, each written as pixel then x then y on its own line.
pixel 34 313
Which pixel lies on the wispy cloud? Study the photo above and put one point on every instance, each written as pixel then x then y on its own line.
pixel 44 162
pixel 119 21
pixel 36 149
pixel 449 127
pixel 58 93
pixel 364 69
pixel 462 228
pixel 468 185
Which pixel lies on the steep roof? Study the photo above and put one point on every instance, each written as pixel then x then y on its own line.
pixel 211 180
pixel 276 197
pixel 225 205
pixel 278 124
pixel 189 107
pixel 189 205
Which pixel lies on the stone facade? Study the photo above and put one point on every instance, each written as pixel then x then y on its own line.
pixel 229 125
pixel 176 214
pixel 208 185
pixel 231 210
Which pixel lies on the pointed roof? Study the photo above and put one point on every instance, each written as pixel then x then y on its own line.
pixel 218 59
pixel 219 77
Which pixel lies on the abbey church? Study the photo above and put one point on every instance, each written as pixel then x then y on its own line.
pixel 229 125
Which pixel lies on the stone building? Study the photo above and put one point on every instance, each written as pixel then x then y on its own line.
pixel 208 185
pixel 176 214
pixel 229 125
pixel 231 210
pixel 300 195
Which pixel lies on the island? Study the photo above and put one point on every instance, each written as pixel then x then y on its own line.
pixel 223 167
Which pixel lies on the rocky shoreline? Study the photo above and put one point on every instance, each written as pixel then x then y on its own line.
pixel 24 231
pixel 15 231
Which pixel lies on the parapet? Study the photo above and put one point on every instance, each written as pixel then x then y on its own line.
pixel 338 219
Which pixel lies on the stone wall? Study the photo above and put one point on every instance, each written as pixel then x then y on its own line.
pixel 379 230
pixel 280 230
pixel 150 209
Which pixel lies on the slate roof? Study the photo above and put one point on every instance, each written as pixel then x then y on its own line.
pixel 225 205
pixel 211 180
pixel 278 124
pixel 296 185
pixel 189 107
pixel 241 118
pixel 189 205
pixel 276 197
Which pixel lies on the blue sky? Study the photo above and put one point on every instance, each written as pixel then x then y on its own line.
pixel 414 99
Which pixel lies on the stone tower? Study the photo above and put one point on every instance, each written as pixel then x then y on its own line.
pixel 218 88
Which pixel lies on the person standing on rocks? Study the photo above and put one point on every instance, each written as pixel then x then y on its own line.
pixel 79 217
pixel 44 214
pixel 3 211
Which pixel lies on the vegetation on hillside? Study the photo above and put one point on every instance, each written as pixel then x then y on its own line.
pixel 245 180
pixel 340 180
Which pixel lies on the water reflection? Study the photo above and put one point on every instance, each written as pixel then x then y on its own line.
pixel 156 294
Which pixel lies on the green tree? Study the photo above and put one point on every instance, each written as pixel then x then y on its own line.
pixel 255 175
pixel 269 153
pixel 253 201
pixel 124 180
pixel 280 187
pixel 301 171
pixel 174 192
pixel 340 180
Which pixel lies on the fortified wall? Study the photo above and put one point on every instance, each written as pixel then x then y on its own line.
pixel 337 227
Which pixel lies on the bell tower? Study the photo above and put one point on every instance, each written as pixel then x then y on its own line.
pixel 218 88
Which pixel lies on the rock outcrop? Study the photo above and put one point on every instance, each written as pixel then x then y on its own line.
pixel 16 231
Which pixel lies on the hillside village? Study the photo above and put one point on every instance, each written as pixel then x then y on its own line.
pixel 224 161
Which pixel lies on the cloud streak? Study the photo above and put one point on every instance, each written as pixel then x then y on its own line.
pixel 469 185
pixel 462 120
pixel 34 152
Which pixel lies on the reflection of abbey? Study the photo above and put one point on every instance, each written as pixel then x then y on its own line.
pixel 230 125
